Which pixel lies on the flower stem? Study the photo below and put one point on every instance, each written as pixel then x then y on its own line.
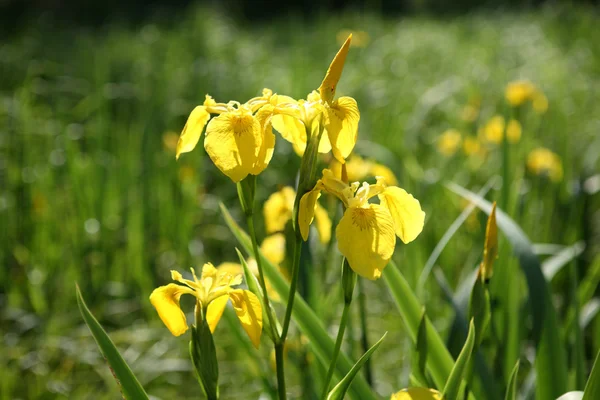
pixel 293 284
pixel 336 349
pixel 280 370
pixel 364 340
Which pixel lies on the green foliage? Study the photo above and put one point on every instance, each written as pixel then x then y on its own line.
pixel 455 380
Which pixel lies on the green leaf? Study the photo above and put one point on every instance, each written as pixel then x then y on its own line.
pixel 419 360
pixel 550 359
pixel 204 358
pixel 592 387
pixel 339 391
pixel 480 310
pixel 452 387
pixel 130 387
pixel 439 360
pixel 321 343
pixel 554 264
pixel 511 389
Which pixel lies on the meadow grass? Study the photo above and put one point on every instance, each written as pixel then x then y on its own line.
pixel 91 193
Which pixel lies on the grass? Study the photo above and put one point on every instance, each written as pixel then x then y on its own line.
pixel 91 193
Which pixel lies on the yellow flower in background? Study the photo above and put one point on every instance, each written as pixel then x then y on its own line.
pixel 367 232
pixel 542 161
pixel 449 142
pixel 278 210
pixel 520 92
pixel 417 393
pixel 471 146
pixel 239 141
pixel 340 116
pixel 212 292
pixel 359 38
pixel 170 140
pixel 469 113
pixel 358 169
pixel 493 130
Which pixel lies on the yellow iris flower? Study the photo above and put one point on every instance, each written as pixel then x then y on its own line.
pixel 542 161
pixel 358 169
pixel 493 130
pixel 240 140
pixel 278 210
pixel 449 142
pixel 340 116
pixel 417 393
pixel 519 92
pixel 367 232
pixel 212 292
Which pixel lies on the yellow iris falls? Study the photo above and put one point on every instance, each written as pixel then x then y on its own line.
pixel 339 117
pixel 367 232
pixel 212 292
pixel 542 161
pixel 417 393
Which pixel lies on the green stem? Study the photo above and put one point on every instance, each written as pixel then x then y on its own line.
pixel 364 340
pixel 336 349
pixel 280 370
pixel 293 284
pixel 505 170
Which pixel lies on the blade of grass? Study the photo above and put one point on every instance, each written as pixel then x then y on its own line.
pixel 592 387
pixel 130 387
pixel 454 383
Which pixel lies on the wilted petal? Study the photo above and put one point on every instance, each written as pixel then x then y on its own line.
pixel 366 238
pixel 342 126
pixel 233 142
pixel 249 311
pixel 192 130
pixel 215 311
pixel 165 300
pixel 406 212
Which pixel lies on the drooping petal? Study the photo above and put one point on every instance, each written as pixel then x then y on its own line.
pixel 306 211
pixel 417 393
pixel 268 140
pixel 342 126
pixel 215 311
pixel 323 224
pixel 334 73
pixel 233 142
pixel 406 212
pixel 249 311
pixel 165 300
pixel 366 238
pixel 192 130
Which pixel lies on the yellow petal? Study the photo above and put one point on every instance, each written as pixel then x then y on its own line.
pixel 208 271
pixel 273 248
pixel 384 172
pixel 513 131
pixel 323 224
pixel 289 127
pixel 249 311
pixel 230 268
pixel 342 126
pixel 192 130
pixel 306 211
pixel 417 393
pixel 278 209
pixel 268 140
pixel 366 238
pixel 490 251
pixel 165 300
pixel 406 212
pixel 334 73
pixel 215 311
pixel 233 141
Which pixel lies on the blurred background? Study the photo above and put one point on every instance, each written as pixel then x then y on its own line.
pixel 93 96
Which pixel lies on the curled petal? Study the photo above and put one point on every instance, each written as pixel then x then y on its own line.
pixel 334 73
pixel 417 393
pixel 323 224
pixel 306 211
pixel 192 130
pixel 165 300
pixel 215 311
pixel 366 238
pixel 249 311
pixel 233 142
pixel 406 212
pixel 342 126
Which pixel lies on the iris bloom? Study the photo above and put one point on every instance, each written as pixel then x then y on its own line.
pixel 358 169
pixel 339 116
pixel 278 210
pixel 493 130
pixel 239 140
pixel 449 142
pixel 417 393
pixel 542 161
pixel 367 232
pixel 520 92
pixel 212 292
